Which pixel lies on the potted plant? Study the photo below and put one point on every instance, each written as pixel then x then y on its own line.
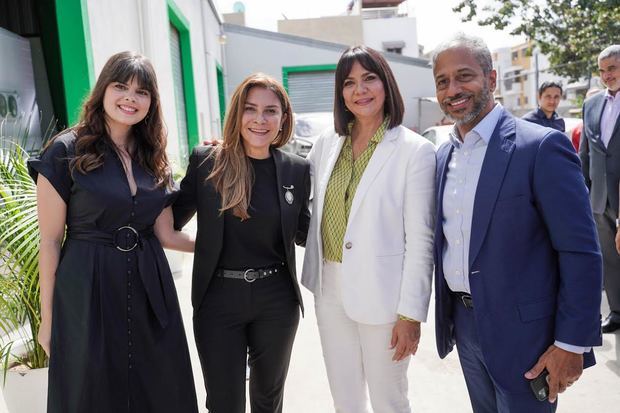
pixel 23 359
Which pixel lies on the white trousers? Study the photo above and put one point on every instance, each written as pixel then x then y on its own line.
pixel 358 358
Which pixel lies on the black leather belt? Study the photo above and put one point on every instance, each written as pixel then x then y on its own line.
pixel 465 299
pixel 250 275
pixel 125 238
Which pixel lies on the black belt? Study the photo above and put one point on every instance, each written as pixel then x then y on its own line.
pixel 131 236
pixel 465 299
pixel 251 274
pixel 152 266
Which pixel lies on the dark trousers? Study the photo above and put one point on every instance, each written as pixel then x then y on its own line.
pixel 238 318
pixel 484 393
pixel 606 226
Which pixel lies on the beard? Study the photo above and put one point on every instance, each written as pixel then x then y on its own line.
pixel 613 87
pixel 481 100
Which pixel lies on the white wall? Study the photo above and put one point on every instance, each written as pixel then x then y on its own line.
pixel 377 31
pixel 143 26
pixel 251 50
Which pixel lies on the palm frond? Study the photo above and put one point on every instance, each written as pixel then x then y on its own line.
pixel 20 309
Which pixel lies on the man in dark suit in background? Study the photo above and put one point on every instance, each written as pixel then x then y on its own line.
pixel 599 151
pixel 518 268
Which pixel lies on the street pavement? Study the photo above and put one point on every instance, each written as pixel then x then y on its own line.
pixel 435 386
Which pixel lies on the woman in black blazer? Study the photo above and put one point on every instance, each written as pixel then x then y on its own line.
pixel 252 203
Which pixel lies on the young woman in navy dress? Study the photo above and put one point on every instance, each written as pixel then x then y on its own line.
pixel 111 322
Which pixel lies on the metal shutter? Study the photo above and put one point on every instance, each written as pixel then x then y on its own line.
pixel 179 93
pixel 311 91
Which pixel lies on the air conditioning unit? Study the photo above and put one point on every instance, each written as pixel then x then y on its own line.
pixel 19 112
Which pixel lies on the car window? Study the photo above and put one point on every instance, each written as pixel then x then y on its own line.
pixel 308 127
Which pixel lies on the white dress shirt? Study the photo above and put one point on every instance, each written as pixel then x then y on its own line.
pixel 459 194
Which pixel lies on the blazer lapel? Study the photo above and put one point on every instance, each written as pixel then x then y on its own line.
pixel 333 150
pixel 616 132
pixel 599 106
pixel 382 153
pixel 443 156
pixel 494 166
pixel 283 176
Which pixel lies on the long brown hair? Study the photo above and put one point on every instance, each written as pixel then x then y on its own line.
pixel 232 173
pixel 92 136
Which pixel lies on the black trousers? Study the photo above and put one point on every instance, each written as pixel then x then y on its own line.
pixel 238 318
pixel 606 226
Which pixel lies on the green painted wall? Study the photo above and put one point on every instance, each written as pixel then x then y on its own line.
pixel 221 93
pixel 182 25
pixel 76 61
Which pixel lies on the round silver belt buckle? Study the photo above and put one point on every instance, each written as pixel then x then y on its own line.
pixel 132 229
pixel 245 276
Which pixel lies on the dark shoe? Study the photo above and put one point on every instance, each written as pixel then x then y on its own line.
pixel 609 325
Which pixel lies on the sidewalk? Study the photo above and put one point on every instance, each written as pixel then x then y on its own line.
pixel 435 385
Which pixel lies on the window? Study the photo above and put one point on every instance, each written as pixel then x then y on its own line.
pixel 397 50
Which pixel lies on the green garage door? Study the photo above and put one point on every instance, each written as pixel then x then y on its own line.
pixel 311 91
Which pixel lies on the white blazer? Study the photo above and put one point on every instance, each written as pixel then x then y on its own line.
pixel 387 256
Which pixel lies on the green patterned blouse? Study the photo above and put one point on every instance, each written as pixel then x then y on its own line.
pixel 341 189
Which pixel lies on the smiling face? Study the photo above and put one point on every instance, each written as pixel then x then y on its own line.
pixel 363 93
pixel 609 70
pixel 125 104
pixel 549 100
pixel 464 91
pixel 261 121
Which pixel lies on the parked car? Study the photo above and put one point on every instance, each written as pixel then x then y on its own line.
pixel 438 134
pixel 308 128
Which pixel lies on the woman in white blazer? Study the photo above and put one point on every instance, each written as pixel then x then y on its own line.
pixel 369 255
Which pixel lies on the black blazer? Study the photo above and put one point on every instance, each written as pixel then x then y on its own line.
pixel 600 164
pixel 199 196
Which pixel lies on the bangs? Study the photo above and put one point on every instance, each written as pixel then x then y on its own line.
pixel 348 60
pixel 126 70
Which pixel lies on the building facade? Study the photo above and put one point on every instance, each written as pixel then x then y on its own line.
pixel 306 68
pixel 381 24
pixel 521 69
pixel 69 41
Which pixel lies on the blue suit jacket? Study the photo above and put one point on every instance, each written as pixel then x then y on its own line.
pixel 535 264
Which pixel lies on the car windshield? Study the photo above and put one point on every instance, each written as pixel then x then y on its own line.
pixel 306 127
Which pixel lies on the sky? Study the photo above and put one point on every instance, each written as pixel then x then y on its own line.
pixel 435 19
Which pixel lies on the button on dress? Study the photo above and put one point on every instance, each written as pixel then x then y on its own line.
pixel 118 342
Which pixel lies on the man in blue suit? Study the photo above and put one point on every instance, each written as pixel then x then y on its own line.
pixel 518 267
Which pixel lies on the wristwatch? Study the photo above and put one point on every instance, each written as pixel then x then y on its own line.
pixel 617 223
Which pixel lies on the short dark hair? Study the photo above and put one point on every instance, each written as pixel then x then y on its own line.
pixel 374 62
pixel 547 85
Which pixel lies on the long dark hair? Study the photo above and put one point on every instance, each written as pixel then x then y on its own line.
pixel 92 136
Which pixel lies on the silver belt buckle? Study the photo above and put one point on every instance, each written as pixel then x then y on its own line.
pixel 245 276
pixel 132 229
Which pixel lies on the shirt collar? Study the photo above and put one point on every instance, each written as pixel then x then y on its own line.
pixel 484 129
pixel 609 96
pixel 542 114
